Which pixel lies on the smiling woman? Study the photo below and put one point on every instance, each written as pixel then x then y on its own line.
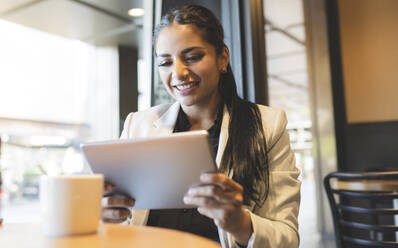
pixel 190 69
pixel 254 198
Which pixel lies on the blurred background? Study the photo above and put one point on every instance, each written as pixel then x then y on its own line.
pixel 71 71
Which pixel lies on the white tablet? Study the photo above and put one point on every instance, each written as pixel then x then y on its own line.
pixel 156 172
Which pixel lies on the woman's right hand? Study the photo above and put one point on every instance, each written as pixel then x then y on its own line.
pixel 115 207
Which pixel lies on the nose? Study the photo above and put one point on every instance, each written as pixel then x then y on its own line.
pixel 181 71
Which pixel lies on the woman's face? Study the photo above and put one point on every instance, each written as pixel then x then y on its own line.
pixel 189 66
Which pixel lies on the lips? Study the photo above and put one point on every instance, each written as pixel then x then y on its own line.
pixel 186 88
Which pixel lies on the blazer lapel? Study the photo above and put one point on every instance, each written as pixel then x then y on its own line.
pixel 222 141
pixel 139 217
pixel 165 124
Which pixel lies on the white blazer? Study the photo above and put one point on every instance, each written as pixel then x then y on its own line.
pixel 275 224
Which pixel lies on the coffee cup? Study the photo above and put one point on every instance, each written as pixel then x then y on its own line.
pixel 71 205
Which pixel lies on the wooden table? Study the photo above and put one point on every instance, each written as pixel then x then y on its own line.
pixel 108 235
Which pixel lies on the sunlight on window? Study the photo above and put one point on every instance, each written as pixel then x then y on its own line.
pixel 51 78
pixel 54 93
pixel 39 75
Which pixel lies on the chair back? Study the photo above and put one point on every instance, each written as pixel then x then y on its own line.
pixel 364 208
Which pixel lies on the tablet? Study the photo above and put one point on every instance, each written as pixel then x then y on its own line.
pixel 157 172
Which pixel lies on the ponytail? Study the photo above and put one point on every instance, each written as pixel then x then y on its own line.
pixel 246 151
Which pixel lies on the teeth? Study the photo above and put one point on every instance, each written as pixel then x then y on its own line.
pixel 185 86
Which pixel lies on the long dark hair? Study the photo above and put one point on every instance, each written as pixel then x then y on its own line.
pixel 246 150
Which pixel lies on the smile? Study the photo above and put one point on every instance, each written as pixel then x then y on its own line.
pixel 186 86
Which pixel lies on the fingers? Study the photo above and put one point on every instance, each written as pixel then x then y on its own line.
pixel 212 208
pixel 108 187
pixel 115 209
pixel 218 187
pixel 221 180
pixel 115 215
pixel 206 202
pixel 215 192
pixel 117 202
pixel 219 198
pixel 217 214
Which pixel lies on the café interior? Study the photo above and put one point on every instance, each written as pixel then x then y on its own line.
pixel 72 70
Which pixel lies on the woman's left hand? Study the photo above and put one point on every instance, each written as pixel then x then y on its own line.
pixel 221 199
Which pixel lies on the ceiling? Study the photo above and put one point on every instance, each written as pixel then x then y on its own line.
pixel 100 22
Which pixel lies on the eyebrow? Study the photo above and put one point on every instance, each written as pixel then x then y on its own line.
pixel 186 50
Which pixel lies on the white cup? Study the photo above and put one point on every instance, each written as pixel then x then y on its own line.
pixel 71 204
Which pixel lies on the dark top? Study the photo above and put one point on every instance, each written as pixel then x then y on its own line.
pixel 189 219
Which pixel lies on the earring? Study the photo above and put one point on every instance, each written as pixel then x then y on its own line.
pixel 223 70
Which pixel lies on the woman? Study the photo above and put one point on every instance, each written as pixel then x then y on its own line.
pixel 254 199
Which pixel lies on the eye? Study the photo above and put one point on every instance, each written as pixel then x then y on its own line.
pixel 164 63
pixel 194 58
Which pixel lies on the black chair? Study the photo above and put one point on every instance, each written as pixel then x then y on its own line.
pixel 362 206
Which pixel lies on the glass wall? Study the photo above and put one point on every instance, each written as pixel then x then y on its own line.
pixel 288 90
pixel 55 93
pixel 59 87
